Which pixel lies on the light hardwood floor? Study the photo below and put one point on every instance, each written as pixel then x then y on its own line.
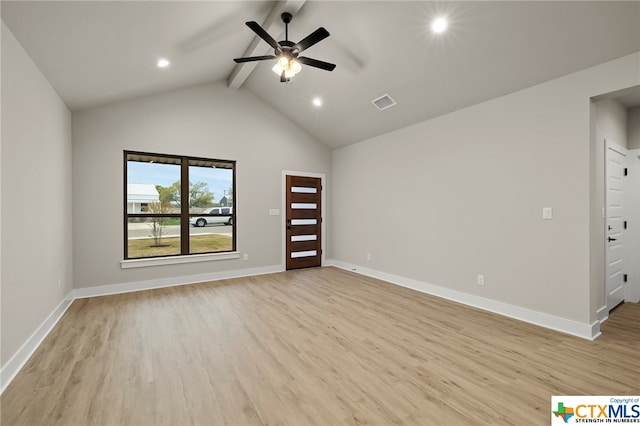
pixel 317 346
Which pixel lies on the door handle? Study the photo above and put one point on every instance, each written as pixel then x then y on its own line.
pixel 612 239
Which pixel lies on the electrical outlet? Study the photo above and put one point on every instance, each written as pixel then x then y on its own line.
pixel 547 213
pixel 480 279
pixel 245 256
pixel 368 256
pixel 59 283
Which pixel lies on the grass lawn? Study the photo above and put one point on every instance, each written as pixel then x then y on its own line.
pixel 171 245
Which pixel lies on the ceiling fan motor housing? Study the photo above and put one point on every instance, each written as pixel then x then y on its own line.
pixel 286 48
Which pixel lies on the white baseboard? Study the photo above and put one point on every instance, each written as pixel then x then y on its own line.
pixel 602 314
pixel 104 290
pixel 22 355
pixel 564 325
pixel 19 359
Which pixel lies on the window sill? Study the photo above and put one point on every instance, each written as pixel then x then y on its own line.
pixel 175 260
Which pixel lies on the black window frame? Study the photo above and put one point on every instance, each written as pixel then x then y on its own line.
pixel 184 215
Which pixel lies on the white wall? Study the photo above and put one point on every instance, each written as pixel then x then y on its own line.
pixel 611 120
pixel 36 197
pixel 633 128
pixel 207 121
pixel 469 188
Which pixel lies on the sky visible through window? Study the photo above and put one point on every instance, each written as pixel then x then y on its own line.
pixel 220 181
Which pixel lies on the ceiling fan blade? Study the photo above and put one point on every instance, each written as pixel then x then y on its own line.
pixel 313 38
pixel 316 63
pixel 254 58
pixel 263 34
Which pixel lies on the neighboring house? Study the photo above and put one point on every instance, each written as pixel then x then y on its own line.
pixel 224 202
pixel 139 195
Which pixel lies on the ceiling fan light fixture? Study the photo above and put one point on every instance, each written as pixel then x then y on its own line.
pixel 293 67
pixel 283 61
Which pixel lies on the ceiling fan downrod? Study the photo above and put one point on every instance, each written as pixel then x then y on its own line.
pixel 286 18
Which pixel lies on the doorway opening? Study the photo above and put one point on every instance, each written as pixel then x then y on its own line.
pixel 617 194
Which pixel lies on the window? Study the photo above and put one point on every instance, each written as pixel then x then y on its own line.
pixel 169 202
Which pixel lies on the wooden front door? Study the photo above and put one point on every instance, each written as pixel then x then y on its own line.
pixel 304 222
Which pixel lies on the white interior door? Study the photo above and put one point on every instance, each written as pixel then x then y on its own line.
pixel 615 224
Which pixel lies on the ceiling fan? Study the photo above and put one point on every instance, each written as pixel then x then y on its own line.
pixel 286 52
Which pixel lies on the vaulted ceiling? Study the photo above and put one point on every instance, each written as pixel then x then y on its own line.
pixel 95 52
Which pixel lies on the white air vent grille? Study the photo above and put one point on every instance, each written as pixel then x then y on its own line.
pixel 383 102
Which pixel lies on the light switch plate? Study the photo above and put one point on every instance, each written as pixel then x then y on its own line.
pixel 274 212
pixel 547 213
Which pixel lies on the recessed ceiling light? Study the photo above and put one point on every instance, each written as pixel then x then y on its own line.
pixel 439 25
pixel 317 102
pixel 163 63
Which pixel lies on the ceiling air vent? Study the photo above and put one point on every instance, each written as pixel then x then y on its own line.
pixel 383 102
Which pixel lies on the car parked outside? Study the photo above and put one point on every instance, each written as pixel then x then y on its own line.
pixel 225 218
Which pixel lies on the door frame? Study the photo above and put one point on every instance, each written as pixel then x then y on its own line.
pixel 609 145
pixel 632 288
pixel 283 210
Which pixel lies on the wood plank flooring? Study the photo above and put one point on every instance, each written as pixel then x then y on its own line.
pixel 310 347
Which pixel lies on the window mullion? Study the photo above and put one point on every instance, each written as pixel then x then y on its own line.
pixel 184 206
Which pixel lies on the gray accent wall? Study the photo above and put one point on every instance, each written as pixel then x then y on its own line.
pixel 208 121
pixel 36 197
pixel 462 194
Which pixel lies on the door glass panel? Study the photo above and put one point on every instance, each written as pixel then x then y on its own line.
pixel 307 253
pixel 304 206
pixel 304 221
pixel 295 238
pixel 303 189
